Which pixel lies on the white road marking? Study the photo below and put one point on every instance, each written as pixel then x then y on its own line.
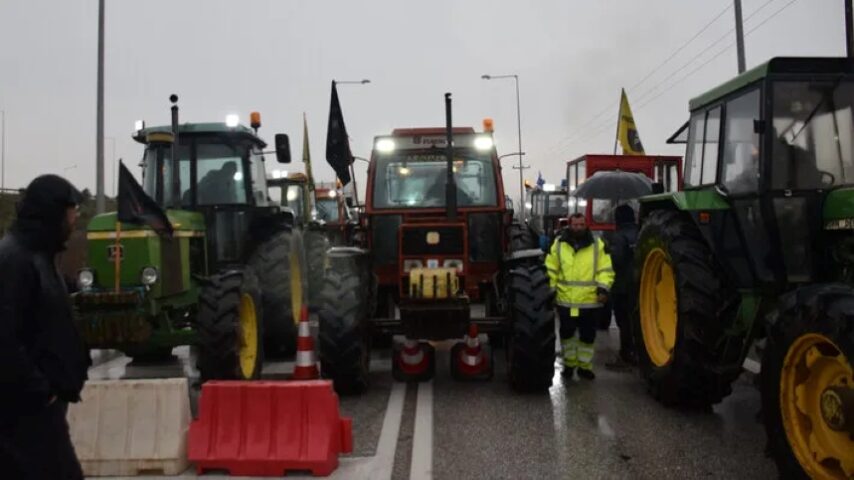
pixel 421 467
pixel 382 462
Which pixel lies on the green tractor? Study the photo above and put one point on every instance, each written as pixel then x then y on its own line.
pixel 294 193
pixel 752 266
pixel 217 283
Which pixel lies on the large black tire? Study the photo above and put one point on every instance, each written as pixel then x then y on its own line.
pixel 272 263
pixel 824 314
pixel 344 335
pixel 531 349
pixel 220 330
pixel 521 237
pixel 688 376
pixel 316 246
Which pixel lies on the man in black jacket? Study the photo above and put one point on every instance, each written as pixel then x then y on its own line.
pixel 622 249
pixel 43 361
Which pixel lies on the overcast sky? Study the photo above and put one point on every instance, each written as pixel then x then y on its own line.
pixel 278 57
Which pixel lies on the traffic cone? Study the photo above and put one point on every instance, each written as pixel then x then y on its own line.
pixel 305 367
pixel 413 362
pixel 469 359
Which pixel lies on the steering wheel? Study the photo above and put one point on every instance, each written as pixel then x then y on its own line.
pixel 827 174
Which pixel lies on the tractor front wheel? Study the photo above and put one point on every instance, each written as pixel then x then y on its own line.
pixel 230 327
pixel 676 326
pixel 531 343
pixel 807 383
pixel 344 337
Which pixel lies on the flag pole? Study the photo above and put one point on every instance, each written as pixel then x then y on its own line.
pixel 117 256
pixel 619 115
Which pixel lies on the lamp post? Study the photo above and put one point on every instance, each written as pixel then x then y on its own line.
pixel 100 203
pixel 521 167
pixel 352 82
pixel 3 151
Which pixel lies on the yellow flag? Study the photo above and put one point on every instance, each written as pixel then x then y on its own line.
pixel 306 154
pixel 627 132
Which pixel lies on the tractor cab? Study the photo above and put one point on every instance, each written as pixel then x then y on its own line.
pixel 291 192
pixel 549 205
pixel 219 172
pixel 774 149
pixel 663 170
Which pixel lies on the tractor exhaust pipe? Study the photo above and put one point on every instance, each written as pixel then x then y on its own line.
pixel 450 184
pixel 175 187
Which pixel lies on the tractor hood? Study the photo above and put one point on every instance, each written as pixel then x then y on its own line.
pixel 140 247
pixel 839 207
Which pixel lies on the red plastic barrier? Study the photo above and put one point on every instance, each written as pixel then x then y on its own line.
pixel 268 428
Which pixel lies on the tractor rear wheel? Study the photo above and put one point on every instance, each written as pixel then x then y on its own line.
pixel 344 337
pixel 676 326
pixel 279 265
pixel 531 347
pixel 807 383
pixel 230 324
pixel 521 237
pixel 316 245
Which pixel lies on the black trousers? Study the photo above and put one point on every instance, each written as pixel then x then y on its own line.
pixel 585 323
pixel 38 446
pixel 624 305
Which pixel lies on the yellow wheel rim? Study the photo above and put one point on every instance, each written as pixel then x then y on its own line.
pixel 812 364
pixel 657 304
pixel 296 285
pixel 248 350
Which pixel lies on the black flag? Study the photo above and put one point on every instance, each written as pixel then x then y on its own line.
pixel 135 206
pixel 337 143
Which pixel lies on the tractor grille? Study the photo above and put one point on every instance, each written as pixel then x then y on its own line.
pixel 416 240
pixel 485 237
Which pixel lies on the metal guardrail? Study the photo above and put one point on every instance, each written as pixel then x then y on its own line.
pixel 11 191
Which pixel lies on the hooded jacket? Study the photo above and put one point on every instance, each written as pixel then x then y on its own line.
pixel 41 352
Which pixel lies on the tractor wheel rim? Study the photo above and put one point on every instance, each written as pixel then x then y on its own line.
pixel 812 365
pixel 658 307
pixel 248 351
pixel 296 286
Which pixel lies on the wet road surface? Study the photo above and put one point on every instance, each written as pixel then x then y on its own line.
pixel 607 428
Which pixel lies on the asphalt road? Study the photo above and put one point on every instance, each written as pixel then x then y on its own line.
pixel 608 428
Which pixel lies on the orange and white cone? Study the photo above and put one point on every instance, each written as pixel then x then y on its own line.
pixel 305 367
pixel 470 359
pixel 413 362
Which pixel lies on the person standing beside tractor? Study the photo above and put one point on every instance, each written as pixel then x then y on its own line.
pixel 622 251
pixel 579 268
pixel 43 361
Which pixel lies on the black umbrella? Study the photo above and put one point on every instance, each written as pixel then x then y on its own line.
pixel 614 185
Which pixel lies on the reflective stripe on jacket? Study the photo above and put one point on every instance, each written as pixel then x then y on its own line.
pixel 577 275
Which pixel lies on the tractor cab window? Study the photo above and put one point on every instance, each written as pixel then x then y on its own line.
pixel 294 198
pixel 557 205
pixel 220 174
pixel 740 173
pixel 258 177
pixel 603 210
pixel 812 145
pixel 418 180
pixel 538 206
pixel 327 209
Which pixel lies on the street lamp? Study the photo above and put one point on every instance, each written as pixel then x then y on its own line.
pixel 521 167
pixel 3 151
pixel 352 82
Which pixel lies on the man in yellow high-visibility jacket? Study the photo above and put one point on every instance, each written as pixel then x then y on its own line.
pixel 580 270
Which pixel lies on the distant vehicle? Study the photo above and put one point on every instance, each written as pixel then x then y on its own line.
pixel 549 205
pixel 665 170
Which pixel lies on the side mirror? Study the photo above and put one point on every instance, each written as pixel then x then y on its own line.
pixel 283 148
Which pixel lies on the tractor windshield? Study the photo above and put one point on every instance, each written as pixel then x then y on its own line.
pixel 558 205
pixel 417 180
pixel 327 209
pixel 220 173
pixel 813 128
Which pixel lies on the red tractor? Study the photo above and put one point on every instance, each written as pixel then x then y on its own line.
pixel 435 262
pixel 666 170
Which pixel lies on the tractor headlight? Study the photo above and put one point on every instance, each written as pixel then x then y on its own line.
pixel 410 264
pixel 149 276
pixel 483 143
pixel 85 279
pixel 454 263
pixel 385 145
